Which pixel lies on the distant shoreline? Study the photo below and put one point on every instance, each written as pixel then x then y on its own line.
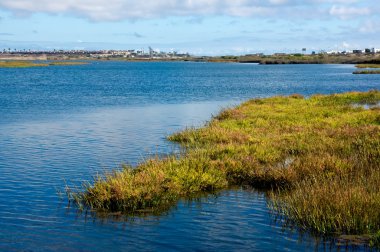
pixel 259 59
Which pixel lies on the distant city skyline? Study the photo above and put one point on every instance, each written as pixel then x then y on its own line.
pixel 200 27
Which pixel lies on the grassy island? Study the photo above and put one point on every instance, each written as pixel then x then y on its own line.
pixel 318 157
pixel 370 69
pixel 368 66
pixel 367 72
pixel 26 64
pixel 21 64
pixel 297 58
pixel 277 58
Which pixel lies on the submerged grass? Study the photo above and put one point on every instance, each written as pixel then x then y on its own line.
pixel 320 156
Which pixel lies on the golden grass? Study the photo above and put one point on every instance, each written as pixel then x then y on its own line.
pixel 320 156
pixel 21 64
pixel 367 72
pixel 67 63
pixel 368 66
pixel 26 64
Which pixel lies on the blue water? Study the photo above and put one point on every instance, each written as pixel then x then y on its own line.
pixel 62 125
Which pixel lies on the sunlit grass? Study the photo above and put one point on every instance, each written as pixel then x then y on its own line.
pixel 368 66
pixel 367 72
pixel 66 63
pixel 26 64
pixel 370 69
pixel 21 64
pixel 319 155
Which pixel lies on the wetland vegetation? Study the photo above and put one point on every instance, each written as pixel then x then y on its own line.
pixel 367 72
pixel 368 66
pixel 26 64
pixel 318 157
pixel 369 69
pixel 298 58
pixel 277 58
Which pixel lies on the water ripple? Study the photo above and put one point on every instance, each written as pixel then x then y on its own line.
pixel 62 126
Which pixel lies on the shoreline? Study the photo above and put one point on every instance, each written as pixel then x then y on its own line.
pixel 263 60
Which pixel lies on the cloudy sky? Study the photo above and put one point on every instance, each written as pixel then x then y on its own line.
pixel 209 27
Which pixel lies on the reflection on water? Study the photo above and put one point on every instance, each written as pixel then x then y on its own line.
pixel 61 126
pixel 235 219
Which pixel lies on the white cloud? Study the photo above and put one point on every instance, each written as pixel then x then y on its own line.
pixel 112 10
pixel 121 9
pixel 345 45
pixel 370 27
pixel 278 1
pixel 337 1
pixel 345 12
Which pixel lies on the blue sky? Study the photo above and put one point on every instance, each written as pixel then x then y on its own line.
pixel 202 27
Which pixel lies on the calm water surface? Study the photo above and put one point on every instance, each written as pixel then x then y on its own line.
pixel 62 125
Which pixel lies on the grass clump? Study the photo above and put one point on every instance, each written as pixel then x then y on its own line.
pixel 319 155
pixel 367 72
pixel 21 64
pixel 368 66
pixel 153 185
pixel 26 64
pixel 67 63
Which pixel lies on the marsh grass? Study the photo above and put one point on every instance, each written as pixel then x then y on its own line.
pixel 67 63
pixel 368 66
pixel 21 64
pixel 319 157
pixel 367 72
pixel 26 64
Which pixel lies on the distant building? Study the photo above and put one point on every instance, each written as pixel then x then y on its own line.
pixel 357 51
pixel 151 52
pixel 332 52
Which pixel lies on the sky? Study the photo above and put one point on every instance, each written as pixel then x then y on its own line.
pixel 200 27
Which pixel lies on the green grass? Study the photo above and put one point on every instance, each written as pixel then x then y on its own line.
pixel 67 63
pixel 368 66
pixel 367 72
pixel 319 157
pixel 26 64
pixel 21 64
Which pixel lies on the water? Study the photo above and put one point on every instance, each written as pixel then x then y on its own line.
pixel 62 125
